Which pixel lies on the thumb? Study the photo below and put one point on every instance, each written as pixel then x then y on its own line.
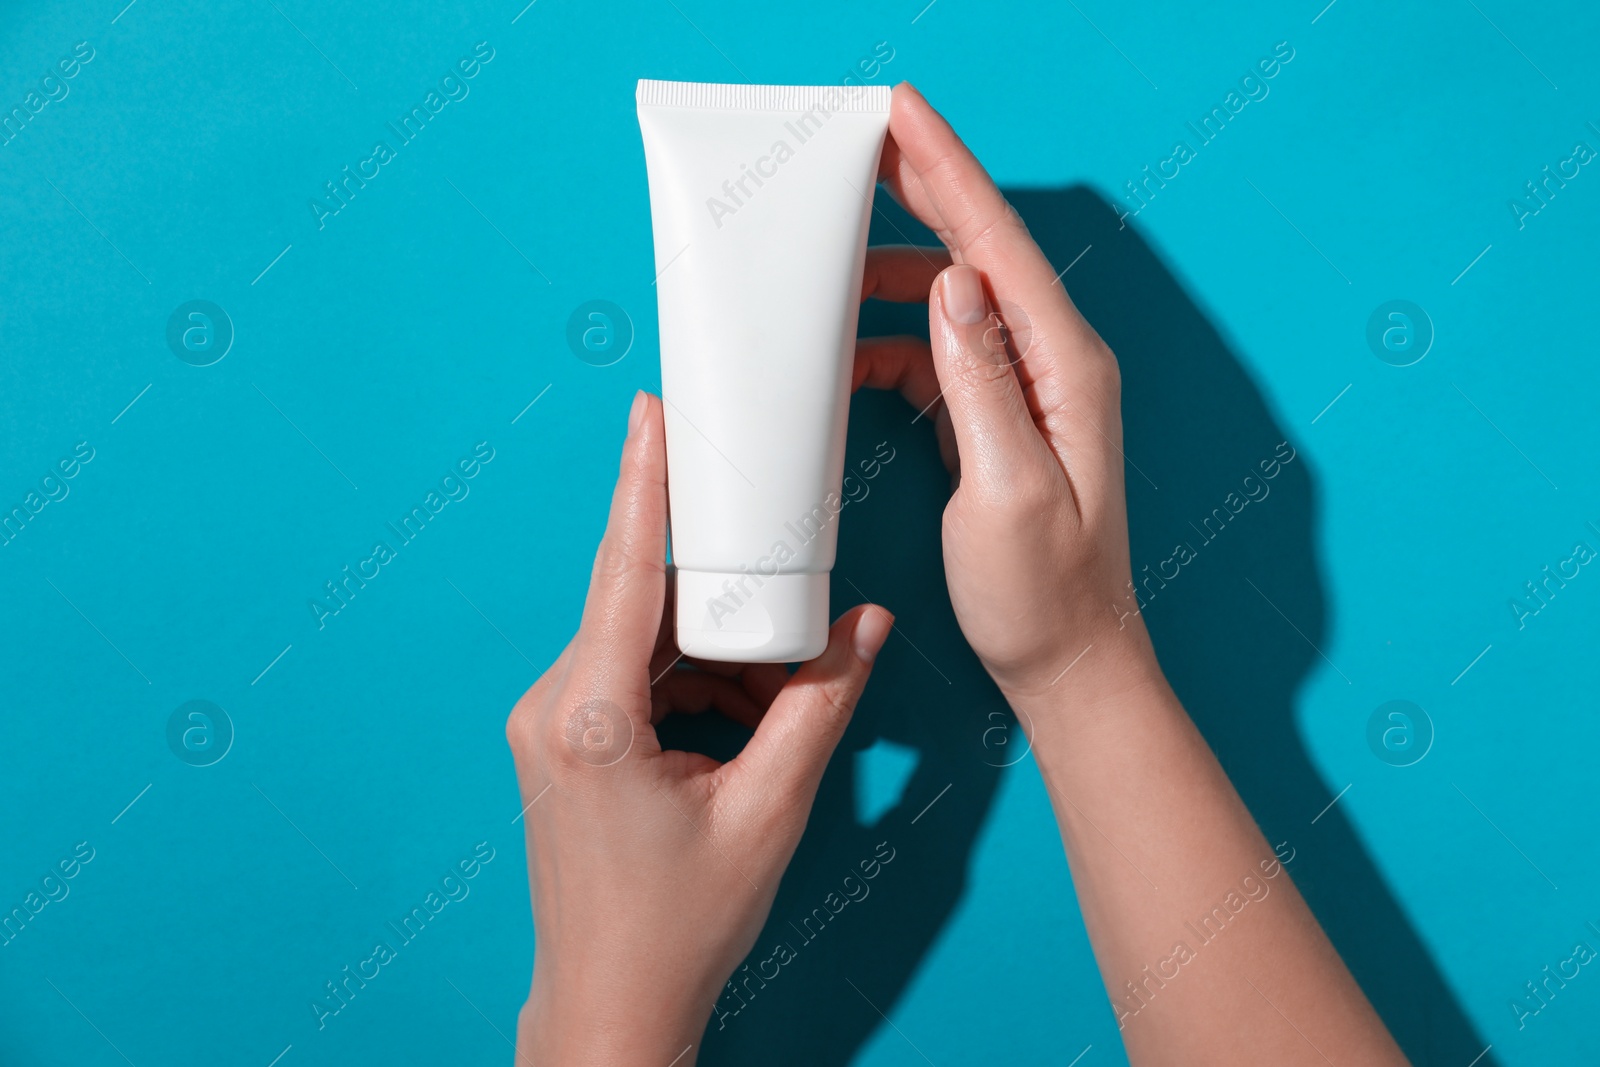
pixel 994 430
pixel 799 732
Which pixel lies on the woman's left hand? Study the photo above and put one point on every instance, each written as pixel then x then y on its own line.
pixel 652 871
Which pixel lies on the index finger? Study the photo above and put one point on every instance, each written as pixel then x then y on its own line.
pixel 938 179
pixel 931 169
pixel 1068 374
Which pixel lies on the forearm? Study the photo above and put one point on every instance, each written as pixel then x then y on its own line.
pixel 1208 952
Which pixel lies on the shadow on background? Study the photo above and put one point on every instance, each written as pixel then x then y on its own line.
pixel 1195 426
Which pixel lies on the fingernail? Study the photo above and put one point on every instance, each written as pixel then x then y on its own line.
pixel 872 630
pixel 636 413
pixel 962 294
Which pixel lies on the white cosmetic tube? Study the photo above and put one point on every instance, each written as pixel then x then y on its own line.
pixel 760 196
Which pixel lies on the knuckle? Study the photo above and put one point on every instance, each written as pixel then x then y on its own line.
pixel 1030 501
pixel 980 372
pixel 979 229
pixel 519 728
pixel 523 720
pixel 557 761
pixel 1057 423
pixel 1035 493
pixel 835 705
pixel 1109 370
pixel 1018 500
pixel 537 736
pixel 558 753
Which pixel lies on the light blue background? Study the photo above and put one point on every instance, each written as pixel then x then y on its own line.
pixel 411 327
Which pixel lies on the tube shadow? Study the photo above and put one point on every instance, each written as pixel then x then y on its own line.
pixel 841 946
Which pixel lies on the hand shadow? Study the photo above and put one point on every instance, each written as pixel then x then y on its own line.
pixel 841 947
pixel 1238 628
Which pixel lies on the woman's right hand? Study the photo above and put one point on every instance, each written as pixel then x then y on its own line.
pixel 1036 532
pixel 1036 557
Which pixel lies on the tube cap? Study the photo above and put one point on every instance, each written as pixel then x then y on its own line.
pixel 752 618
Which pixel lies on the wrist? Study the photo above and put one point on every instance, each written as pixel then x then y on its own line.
pixel 566 1021
pixel 1094 667
pixel 1108 682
